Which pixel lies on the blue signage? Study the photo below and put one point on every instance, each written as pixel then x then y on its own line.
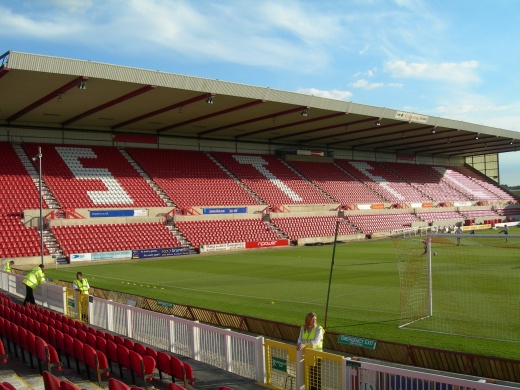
pixel 225 210
pixel 111 255
pixel 115 213
pixel 159 252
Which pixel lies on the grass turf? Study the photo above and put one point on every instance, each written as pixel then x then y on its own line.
pixel 283 285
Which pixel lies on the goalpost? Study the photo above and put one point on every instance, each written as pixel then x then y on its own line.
pixel 467 284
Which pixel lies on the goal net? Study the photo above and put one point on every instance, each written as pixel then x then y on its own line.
pixel 467 284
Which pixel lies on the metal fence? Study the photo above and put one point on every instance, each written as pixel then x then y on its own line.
pixel 47 295
pixel 231 351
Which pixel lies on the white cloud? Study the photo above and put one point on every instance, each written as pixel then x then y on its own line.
pixel 459 73
pixel 334 94
pixel 55 27
pixel 74 6
pixel 362 83
pixel 367 73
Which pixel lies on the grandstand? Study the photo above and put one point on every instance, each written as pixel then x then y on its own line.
pixel 137 161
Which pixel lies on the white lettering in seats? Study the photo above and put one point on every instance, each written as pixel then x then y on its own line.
pixel 258 163
pixel 115 193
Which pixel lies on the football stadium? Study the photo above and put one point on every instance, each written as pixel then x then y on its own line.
pixel 209 217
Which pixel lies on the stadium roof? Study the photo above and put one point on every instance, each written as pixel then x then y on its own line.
pixel 44 92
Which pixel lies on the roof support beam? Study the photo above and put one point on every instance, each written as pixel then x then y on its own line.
pixel 64 88
pixel 212 115
pixel 334 127
pixel 4 71
pixel 110 104
pixel 306 121
pixel 253 120
pixel 162 110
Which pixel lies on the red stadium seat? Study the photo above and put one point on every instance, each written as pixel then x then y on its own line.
pixel 66 385
pixel 144 367
pixel 114 384
pixel 141 350
pixel 97 361
pixel 123 358
pixel 189 378
pixel 3 354
pixel 47 355
pixel 50 381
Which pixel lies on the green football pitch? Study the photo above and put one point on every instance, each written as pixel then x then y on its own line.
pixel 283 285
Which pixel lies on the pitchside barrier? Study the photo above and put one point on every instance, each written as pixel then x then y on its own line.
pixel 77 304
pixel 231 351
pixel 47 295
pixel 287 368
pixel 275 364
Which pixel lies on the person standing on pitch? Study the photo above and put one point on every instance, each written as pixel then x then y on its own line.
pixel 81 284
pixel 425 245
pixel 458 231
pixel 32 280
pixel 311 337
pixel 505 231
pixel 8 265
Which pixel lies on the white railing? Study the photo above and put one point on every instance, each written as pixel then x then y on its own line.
pixel 47 295
pixel 378 376
pixel 231 351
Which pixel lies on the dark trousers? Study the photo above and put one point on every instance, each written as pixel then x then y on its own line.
pixel 29 296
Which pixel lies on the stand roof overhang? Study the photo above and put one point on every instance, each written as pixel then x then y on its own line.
pixel 44 92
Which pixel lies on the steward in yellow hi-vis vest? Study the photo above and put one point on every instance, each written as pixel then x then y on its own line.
pixel 81 284
pixel 32 280
pixel 311 334
pixel 7 266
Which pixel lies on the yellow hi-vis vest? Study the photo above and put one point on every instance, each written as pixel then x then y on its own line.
pixel 34 278
pixel 307 337
pixel 82 285
pixel 7 267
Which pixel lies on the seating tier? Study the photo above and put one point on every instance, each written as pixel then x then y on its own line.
pixel 272 180
pixel 462 183
pixel 18 191
pixel 315 226
pixel 370 223
pixel 17 240
pixel 93 177
pixel 113 237
pixel 191 178
pixel 437 189
pixel 225 231
pixel 383 181
pixel 336 182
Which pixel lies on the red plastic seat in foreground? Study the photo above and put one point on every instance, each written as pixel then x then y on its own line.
pixel 97 361
pixel 189 378
pixel 144 367
pixel 66 385
pixel 114 384
pixel 3 354
pixel 50 381
pixel 47 355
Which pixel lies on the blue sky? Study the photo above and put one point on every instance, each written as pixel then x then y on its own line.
pixel 455 59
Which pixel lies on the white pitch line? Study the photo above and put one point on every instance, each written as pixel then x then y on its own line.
pixel 306 302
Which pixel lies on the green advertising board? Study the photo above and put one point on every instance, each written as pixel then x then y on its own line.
pixel 279 364
pixel 167 305
pixel 357 341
